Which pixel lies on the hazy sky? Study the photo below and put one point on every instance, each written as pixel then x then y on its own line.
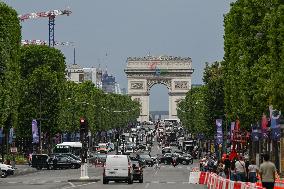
pixel 106 32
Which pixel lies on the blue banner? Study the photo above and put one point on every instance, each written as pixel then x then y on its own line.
pixel 1 135
pixel 11 135
pixel 255 133
pixel 275 125
pixel 35 132
pixel 219 136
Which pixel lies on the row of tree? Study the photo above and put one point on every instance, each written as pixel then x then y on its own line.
pixel 33 86
pixel 251 76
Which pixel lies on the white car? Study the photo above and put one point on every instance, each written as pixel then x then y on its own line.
pixel 118 168
pixel 6 170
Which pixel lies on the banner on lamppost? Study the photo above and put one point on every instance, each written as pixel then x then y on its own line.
pixel 255 132
pixel 275 125
pixel 35 132
pixel 11 135
pixel 232 129
pixel 219 137
pixel 264 125
pixel 1 135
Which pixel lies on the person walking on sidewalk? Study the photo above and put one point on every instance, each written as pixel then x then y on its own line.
pixel 252 171
pixel 267 172
pixel 240 169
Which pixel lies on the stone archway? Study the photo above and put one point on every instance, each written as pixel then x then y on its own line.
pixel 145 72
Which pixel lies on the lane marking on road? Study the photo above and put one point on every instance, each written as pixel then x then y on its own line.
pixel 189 177
pixel 156 173
pixel 72 185
pixel 12 182
pixel 171 182
pixel 155 182
pixel 147 185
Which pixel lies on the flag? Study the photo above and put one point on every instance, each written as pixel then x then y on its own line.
pixel 232 129
pixel 255 133
pixel 237 125
pixel 11 135
pixel 1 135
pixel 264 124
pixel 35 133
pixel 275 125
pixel 219 138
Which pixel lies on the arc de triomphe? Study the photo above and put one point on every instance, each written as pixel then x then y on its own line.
pixel 145 72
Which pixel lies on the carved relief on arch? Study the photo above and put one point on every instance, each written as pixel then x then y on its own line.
pixel 152 82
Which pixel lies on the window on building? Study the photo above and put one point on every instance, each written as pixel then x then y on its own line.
pixel 81 77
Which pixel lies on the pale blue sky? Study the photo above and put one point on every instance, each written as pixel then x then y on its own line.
pixel 122 28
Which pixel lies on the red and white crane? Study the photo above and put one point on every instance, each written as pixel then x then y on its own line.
pixel 51 20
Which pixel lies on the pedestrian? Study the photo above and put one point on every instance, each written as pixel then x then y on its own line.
pixel 55 161
pixel 227 164
pixel 252 171
pixel 240 169
pixel 267 172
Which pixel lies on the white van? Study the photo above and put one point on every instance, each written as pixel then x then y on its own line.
pixel 117 168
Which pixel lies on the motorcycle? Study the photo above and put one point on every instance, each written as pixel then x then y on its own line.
pixel 174 162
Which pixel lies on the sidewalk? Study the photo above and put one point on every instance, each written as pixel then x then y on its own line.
pixel 23 170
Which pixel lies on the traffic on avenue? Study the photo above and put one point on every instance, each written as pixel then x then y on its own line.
pixel 154 154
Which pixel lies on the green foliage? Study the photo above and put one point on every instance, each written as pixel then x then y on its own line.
pixel 251 61
pixel 10 37
pixel 192 111
pixel 103 111
pixel 214 96
pixel 43 78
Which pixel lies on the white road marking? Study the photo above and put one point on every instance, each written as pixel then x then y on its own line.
pixel 189 177
pixel 155 182
pixel 72 185
pixel 12 182
pixel 171 182
pixel 147 185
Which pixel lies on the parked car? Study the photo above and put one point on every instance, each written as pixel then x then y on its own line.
pixel 137 171
pixel 118 168
pixel 6 170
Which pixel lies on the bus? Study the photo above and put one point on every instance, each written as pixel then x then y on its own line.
pixel 68 147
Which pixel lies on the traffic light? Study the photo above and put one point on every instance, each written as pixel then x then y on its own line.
pixel 83 125
pixel 123 137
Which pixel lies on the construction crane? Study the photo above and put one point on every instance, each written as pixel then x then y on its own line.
pixel 51 20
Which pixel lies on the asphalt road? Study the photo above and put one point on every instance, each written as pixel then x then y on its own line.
pixel 167 177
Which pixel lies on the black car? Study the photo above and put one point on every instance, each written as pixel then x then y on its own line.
pixel 137 171
pixel 166 150
pixel 40 161
pixel 185 159
pixel 97 158
pixel 145 159
pixel 167 158
pixel 64 161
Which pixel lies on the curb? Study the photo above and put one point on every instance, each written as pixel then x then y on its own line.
pixel 84 180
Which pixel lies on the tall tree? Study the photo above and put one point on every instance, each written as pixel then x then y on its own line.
pixel 10 38
pixel 43 74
